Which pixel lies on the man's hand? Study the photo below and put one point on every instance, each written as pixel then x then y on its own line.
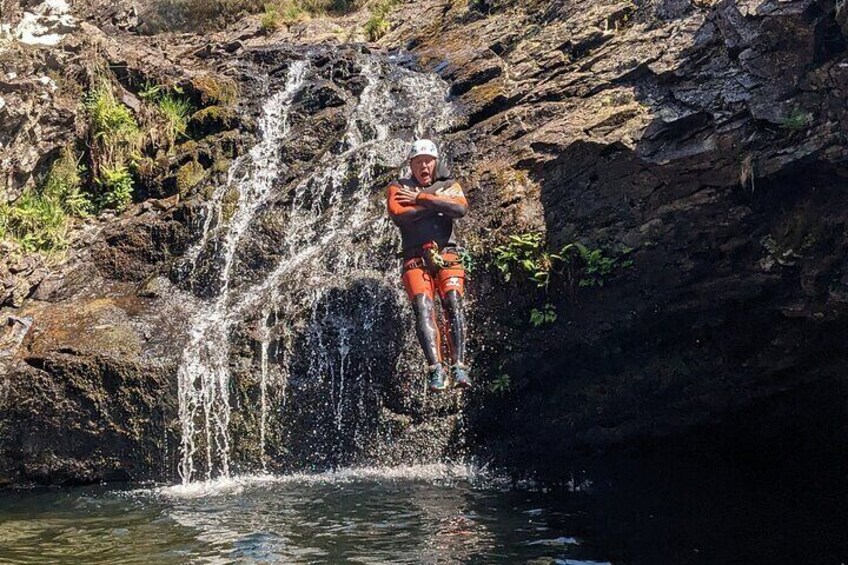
pixel 406 197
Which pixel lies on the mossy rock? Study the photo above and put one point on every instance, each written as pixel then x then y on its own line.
pixel 212 119
pixel 215 90
pixel 231 143
pixel 221 164
pixel 229 204
pixel 189 176
pixel 189 147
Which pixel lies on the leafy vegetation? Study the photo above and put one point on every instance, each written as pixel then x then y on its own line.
pixel 501 384
pixel 280 13
pixel 527 254
pixel 64 184
pixel 120 152
pixel 195 15
pixel 116 186
pixel 204 15
pixel 115 141
pixel 39 220
pixel 378 24
pixel 467 260
pixel 546 315
pixel 597 267
pixel 173 113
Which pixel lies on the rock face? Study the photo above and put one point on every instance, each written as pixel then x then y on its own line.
pixel 706 137
pixel 696 150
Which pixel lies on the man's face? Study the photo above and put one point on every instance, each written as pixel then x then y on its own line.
pixel 423 169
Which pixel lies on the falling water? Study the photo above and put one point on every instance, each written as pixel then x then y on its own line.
pixel 204 379
pixel 332 206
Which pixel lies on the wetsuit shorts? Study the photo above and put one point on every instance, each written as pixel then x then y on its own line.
pixel 418 279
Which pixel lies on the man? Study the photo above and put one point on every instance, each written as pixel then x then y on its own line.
pixel 424 207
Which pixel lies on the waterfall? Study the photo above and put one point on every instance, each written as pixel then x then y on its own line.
pixel 203 378
pixel 334 222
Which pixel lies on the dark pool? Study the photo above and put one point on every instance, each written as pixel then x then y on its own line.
pixel 434 514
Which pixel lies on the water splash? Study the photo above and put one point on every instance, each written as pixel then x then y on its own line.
pixel 436 473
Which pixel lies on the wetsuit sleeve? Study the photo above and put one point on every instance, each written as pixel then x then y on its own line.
pixel 450 201
pixel 401 213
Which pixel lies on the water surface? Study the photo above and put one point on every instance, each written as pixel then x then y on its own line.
pixel 423 514
pixel 653 513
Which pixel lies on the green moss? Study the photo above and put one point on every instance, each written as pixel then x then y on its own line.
pixel 189 147
pixel 189 176
pixel 221 164
pixel 216 90
pixel 220 117
pixel 229 204
pixel 485 93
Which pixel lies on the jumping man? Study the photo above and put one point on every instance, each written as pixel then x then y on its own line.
pixel 424 207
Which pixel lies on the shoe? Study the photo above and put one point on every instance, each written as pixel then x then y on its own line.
pixel 460 376
pixel 437 379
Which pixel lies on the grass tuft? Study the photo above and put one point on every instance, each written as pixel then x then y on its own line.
pixel 797 119
pixel 378 24
pixel 115 141
pixel 39 221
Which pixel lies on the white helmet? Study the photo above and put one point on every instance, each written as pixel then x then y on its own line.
pixel 423 147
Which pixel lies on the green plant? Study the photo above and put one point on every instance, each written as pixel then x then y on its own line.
pixel 150 91
pixel 797 119
pixel 546 315
pixel 172 113
pixel 526 252
pixel 116 186
pixel 271 19
pixel 378 25
pixel 35 222
pixel 64 184
pixel 467 260
pixel 115 141
pixel 112 127
pixel 40 220
pixel 597 266
pixel 175 113
pixel 501 384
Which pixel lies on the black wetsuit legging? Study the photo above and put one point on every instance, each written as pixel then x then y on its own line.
pixel 428 333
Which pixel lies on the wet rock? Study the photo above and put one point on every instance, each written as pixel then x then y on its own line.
pixel 19 276
pixel 650 148
pixel 135 247
pixel 699 147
